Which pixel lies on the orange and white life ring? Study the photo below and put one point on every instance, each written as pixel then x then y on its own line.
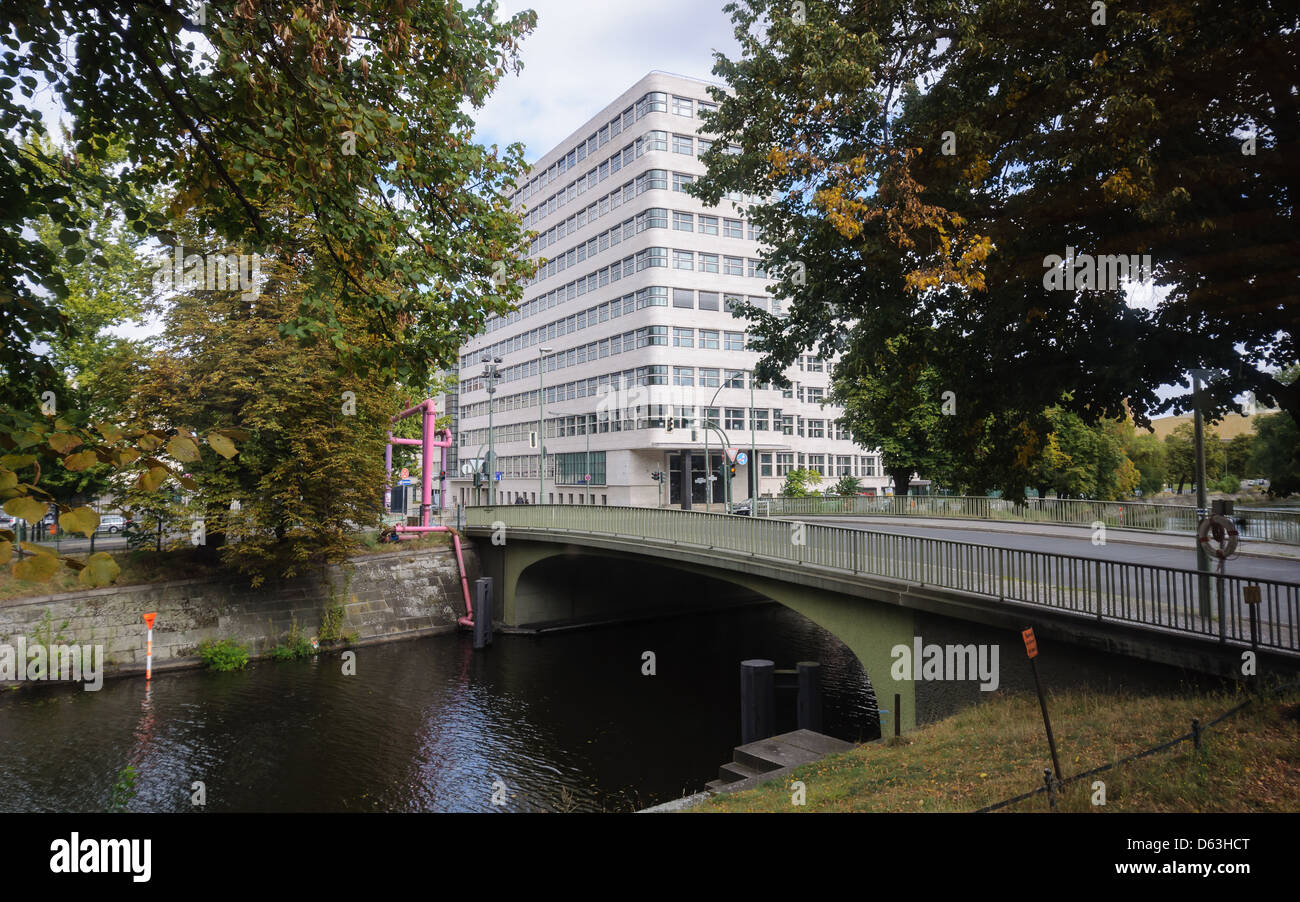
pixel 1226 536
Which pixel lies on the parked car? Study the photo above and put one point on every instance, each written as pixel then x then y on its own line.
pixel 742 507
pixel 112 523
pixel 7 521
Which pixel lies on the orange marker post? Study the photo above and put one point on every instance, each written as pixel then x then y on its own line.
pixel 148 648
pixel 1031 649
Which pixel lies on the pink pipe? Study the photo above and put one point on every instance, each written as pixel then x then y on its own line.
pixel 468 619
pixel 430 439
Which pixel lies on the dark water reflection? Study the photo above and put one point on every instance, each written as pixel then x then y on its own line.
pixel 564 721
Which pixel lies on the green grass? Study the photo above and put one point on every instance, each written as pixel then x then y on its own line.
pixel 997 750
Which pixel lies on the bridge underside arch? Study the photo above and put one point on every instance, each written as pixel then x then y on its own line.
pixel 542 584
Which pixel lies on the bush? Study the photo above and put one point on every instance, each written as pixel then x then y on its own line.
pixel 1228 485
pixel 297 646
pixel 848 485
pixel 223 654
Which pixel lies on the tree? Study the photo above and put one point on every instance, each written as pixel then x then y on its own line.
pixel 1277 453
pixel 311 470
pixel 1238 455
pixel 916 164
pixel 848 485
pixel 893 400
pixel 1180 455
pixel 798 483
pixel 1148 455
pixel 354 117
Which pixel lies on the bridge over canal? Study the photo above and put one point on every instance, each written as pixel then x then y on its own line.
pixel 867 587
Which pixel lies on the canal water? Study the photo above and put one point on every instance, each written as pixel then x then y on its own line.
pixel 564 721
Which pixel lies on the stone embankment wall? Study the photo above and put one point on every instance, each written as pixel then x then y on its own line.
pixel 388 596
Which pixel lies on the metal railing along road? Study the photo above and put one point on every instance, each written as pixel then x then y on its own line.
pixel 1162 597
pixel 1259 524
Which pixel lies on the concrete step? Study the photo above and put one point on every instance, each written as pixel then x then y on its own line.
pixel 715 785
pixel 788 750
pixel 732 772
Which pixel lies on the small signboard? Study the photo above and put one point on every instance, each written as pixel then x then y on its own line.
pixel 587 478
pixel 403 482
pixel 499 474
pixel 1250 594
pixel 1031 644
pixel 742 458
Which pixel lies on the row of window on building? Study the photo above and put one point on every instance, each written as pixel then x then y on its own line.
pixel 657 416
pixel 721 264
pixel 651 296
pixel 653 102
pixel 654 218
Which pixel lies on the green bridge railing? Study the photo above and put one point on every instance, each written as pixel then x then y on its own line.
pixel 1153 596
pixel 1257 524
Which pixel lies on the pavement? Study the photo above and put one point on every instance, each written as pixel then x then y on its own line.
pixel 1263 560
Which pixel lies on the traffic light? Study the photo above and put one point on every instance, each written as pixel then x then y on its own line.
pixel 733 470
pixel 442 474
pixel 656 475
pixel 669 427
pixel 478 479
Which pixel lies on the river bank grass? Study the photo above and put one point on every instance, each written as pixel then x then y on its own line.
pixel 998 749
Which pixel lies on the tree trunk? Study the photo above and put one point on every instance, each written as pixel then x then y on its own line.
pixel 901 480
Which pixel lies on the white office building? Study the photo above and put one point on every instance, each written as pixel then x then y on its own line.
pixel 625 345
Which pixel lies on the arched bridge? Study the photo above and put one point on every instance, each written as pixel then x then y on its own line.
pixel 868 587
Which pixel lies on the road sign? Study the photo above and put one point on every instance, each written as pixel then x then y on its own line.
pixel 403 482
pixel 587 478
pixel 742 458
pixel 149 619
pixel 499 474
pixel 731 454
pixel 1031 644
pixel 467 469
pixel 405 473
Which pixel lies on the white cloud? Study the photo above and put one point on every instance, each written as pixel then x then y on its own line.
pixel 582 55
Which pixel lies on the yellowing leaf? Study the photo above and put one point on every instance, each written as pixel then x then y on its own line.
pixel 28 509
pixel 64 442
pixel 150 442
pixel 83 520
pixel 6 551
pixel 8 479
pixel 38 567
pixel 110 432
pixel 124 456
pixel 152 478
pixel 82 460
pixel 183 449
pixel 17 461
pixel 100 570
pixel 222 445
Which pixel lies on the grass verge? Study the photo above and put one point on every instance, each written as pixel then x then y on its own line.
pixel 998 749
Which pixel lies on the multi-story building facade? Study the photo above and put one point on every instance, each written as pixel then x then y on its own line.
pixel 626 348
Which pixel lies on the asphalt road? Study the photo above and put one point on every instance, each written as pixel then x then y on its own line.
pixel 1117 548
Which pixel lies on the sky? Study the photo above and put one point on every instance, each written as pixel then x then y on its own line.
pixel 584 53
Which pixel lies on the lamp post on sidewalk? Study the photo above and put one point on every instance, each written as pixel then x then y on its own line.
pixel 492 373
pixel 1202 502
pixel 541 423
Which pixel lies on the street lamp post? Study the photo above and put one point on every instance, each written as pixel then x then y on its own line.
pixel 1202 502
pixel 541 423
pixel 753 453
pixel 492 373
pixel 708 462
